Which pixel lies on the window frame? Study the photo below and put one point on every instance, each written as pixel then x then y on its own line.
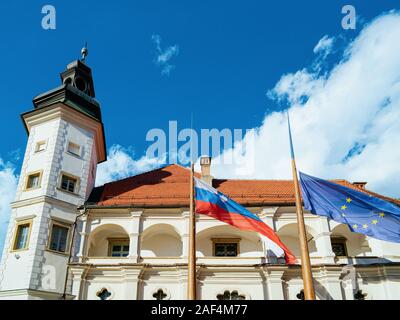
pixel 32 173
pixel 116 241
pixel 71 176
pixel 226 240
pixel 61 224
pixel 339 240
pixel 79 154
pixel 41 142
pixel 19 223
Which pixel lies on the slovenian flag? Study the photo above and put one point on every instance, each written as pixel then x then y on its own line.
pixel 215 204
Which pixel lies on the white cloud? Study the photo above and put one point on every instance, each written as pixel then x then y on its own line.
pixel 8 187
pixel 121 164
pixel 164 56
pixel 345 123
pixel 324 46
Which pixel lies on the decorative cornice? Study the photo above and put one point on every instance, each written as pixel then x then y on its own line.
pixel 40 199
pixel 66 112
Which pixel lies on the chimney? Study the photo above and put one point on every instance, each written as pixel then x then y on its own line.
pixel 360 185
pixel 205 164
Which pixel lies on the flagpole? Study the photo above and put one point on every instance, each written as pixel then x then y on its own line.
pixel 309 293
pixel 191 294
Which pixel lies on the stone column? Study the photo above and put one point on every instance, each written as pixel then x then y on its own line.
pixel 324 247
pixel 323 242
pixel 183 276
pixel 78 275
pixel 84 239
pixel 348 289
pixel 273 279
pixel 329 286
pixel 390 278
pixel 131 283
pixel 185 235
pixel 267 216
pixel 349 281
pixel 134 236
pixel 376 246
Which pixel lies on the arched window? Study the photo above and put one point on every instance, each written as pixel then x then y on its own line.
pixel 233 295
pixel 159 295
pixel 339 246
pixel 103 294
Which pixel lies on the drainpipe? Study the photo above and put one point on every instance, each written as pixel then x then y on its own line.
pixel 64 296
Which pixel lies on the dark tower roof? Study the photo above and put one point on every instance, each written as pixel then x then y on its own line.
pixel 76 91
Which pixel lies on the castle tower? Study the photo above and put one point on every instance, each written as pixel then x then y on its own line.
pixel 66 142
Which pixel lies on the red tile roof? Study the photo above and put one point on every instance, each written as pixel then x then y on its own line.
pixel 169 187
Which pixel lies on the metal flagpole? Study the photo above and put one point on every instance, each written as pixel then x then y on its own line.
pixel 192 242
pixel 191 294
pixel 309 293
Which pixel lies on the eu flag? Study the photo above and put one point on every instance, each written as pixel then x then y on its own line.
pixel 362 212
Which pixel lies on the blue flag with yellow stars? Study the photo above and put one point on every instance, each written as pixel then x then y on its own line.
pixel 362 212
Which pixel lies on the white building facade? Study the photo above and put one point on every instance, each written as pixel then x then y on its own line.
pixel 129 239
pixel 154 265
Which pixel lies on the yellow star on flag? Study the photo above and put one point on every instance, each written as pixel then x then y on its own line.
pixel 374 221
pixel 344 207
pixel 348 200
pixel 365 226
pixel 355 226
pixel 381 214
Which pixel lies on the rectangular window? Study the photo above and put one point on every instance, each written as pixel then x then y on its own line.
pixel 226 247
pixel 40 146
pixel 59 238
pixel 33 180
pixel 119 248
pixel 68 183
pixel 21 240
pixel 74 148
pixel 339 247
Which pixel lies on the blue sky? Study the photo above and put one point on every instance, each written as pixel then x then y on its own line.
pixel 225 56
pixel 230 54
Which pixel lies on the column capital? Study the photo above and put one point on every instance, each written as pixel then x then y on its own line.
pixel 79 272
pixel 185 214
pixel 133 234
pixel 323 234
pixel 136 213
pixel 84 218
pixel 132 274
pixel 274 282
pixel 272 273
pixel 269 211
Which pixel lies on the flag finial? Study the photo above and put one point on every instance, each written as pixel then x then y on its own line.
pixel 290 136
